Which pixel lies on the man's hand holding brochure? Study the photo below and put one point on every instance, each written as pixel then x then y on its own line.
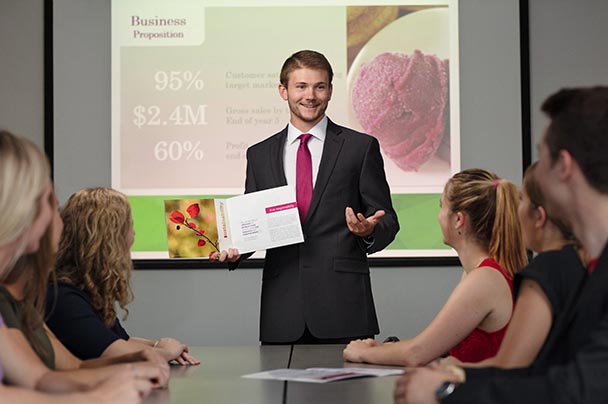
pixel 245 223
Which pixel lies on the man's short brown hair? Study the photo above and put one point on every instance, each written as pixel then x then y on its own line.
pixel 579 125
pixel 305 59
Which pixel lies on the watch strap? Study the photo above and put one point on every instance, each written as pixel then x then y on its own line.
pixel 444 390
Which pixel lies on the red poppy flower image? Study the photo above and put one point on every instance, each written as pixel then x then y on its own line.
pixel 177 217
pixel 195 241
pixel 193 210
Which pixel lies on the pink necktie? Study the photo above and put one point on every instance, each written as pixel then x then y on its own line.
pixel 303 176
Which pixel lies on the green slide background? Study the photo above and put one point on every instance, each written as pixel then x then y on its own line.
pixel 417 217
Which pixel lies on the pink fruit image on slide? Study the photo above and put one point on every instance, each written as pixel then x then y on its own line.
pixel 403 100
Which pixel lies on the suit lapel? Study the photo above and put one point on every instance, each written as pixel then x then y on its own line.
pixel 277 148
pixel 331 150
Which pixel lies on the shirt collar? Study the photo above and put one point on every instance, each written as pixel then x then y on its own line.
pixel 317 131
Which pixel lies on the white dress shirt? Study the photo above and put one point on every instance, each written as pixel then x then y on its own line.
pixel 315 145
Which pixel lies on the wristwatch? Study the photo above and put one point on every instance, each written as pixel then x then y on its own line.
pixel 444 390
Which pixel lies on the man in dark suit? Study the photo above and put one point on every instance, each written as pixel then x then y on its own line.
pixel 573 363
pixel 319 291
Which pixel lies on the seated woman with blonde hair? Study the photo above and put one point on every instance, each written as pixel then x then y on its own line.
pixel 93 271
pixel 478 218
pixel 25 214
pixel 542 288
pixel 22 300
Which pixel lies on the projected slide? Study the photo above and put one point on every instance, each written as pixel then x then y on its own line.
pixel 194 84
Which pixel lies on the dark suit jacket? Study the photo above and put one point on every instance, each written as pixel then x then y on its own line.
pixel 572 366
pixel 324 282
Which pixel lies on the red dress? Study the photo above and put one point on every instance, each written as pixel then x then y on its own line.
pixel 480 344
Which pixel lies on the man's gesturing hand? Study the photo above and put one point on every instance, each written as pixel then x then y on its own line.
pixel 359 224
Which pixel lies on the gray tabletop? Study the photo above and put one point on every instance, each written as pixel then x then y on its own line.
pixel 218 378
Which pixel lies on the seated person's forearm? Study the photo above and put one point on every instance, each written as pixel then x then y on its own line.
pixel 11 394
pixel 76 380
pixel 111 360
pixel 121 347
pixel 60 382
pixel 143 341
pixel 131 347
pixel 395 353
pixel 367 351
pixel 140 343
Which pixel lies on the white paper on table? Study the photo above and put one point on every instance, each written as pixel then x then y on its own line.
pixel 259 220
pixel 321 375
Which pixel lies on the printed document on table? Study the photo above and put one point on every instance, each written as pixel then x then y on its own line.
pixel 321 375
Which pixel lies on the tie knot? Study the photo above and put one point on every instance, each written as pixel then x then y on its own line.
pixel 304 138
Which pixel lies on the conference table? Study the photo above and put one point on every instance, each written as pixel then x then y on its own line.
pixel 218 378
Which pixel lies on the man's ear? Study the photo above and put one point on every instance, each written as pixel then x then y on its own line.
pixel 540 217
pixel 283 91
pixel 565 165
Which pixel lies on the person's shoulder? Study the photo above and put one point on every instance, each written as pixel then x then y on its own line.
pixel 481 286
pixel 566 251
pixel 64 286
pixel 562 257
pixel 554 267
pixel 68 301
pixel 264 144
pixel 486 278
pixel 66 290
pixel 352 135
pixel 486 270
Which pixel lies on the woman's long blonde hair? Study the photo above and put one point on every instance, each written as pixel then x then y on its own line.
pixel 24 175
pixel 491 205
pixel 94 252
pixel 38 268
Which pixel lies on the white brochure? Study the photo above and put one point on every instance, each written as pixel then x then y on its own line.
pixel 259 220
pixel 321 375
